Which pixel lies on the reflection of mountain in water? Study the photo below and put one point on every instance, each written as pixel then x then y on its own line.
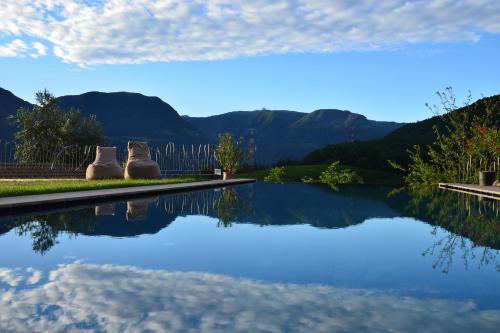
pixel 318 206
pixel 267 204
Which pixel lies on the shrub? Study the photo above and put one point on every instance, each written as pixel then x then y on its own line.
pixel 276 174
pixel 465 139
pixel 229 152
pixel 334 175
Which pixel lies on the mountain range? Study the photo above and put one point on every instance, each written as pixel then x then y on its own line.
pixel 278 134
pixel 374 154
pixel 281 134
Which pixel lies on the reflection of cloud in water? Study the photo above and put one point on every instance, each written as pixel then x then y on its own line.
pixel 124 298
pixel 14 276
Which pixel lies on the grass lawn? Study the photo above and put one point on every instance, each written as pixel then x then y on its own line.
pixel 296 172
pixel 26 186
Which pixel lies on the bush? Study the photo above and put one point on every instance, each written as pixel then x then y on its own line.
pixel 334 175
pixel 276 174
pixel 467 143
pixel 229 152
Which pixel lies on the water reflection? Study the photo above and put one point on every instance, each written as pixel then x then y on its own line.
pixel 137 210
pixel 44 229
pixel 464 217
pixel 105 210
pixel 116 298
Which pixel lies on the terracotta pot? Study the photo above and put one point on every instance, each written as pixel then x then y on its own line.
pixel 227 175
pixel 486 178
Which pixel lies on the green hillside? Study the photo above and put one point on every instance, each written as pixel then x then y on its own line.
pixel 374 154
pixel 282 134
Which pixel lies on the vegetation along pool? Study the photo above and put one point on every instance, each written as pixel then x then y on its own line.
pixel 262 257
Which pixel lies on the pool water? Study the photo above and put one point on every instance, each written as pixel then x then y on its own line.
pixel 261 257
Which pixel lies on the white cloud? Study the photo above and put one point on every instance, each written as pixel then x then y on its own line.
pixel 40 50
pixel 115 298
pixel 16 48
pixel 136 31
pixel 10 276
pixel 35 277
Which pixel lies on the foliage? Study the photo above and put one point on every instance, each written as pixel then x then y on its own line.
pixel 334 175
pixel 463 139
pixel 45 129
pixel 484 143
pixel 276 174
pixel 229 152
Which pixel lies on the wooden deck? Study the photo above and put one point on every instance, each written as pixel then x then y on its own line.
pixel 492 192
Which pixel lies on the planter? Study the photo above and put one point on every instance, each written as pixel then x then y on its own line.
pixel 486 178
pixel 227 175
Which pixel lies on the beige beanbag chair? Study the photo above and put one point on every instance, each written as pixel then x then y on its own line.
pixel 105 165
pixel 139 164
pixel 137 210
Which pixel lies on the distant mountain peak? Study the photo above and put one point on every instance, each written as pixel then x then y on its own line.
pixel 281 134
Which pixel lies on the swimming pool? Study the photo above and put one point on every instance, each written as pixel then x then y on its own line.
pixel 256 258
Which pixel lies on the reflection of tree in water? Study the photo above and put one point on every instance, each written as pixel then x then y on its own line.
pixel 445 249
pixel 226 204
pixel 45 229
pixel 225 207
pixel 471 221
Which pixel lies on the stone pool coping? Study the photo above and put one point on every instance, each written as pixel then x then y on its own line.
pixel 40 200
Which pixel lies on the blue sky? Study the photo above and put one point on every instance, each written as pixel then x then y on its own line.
pixel 215 56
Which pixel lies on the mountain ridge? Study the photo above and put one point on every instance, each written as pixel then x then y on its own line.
pixel 278 134
pixel 283 134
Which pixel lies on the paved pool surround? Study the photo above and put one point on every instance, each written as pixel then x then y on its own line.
pixel 64 198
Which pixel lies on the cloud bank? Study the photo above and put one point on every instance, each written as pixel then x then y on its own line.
pixel 137 31
pixel 113 298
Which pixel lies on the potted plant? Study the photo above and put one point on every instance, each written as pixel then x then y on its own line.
pixel 483 145
pixel 229 154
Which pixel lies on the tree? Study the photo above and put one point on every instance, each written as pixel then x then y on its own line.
pixel 460 144
pixel 229 152
pixel 45 129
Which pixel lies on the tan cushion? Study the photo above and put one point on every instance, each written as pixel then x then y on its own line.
pixel 139 164
pixel 105 165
